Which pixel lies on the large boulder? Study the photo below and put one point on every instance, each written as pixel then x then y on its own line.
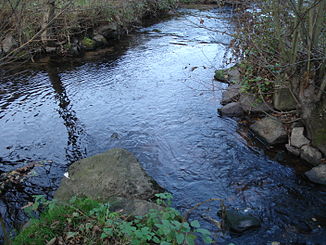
pixel 317 174
pixel 271 130
pixel 115 173
pixel 231 94
pixel 231 110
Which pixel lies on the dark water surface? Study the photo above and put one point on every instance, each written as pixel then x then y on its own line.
pixel 153 95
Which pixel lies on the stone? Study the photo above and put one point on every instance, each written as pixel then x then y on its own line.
pixel 271 130
pixel 311 154
pixel 50 49
pixel 220 75
pixel 297 138
pixel 232 110
pixel 239 222
pixel 8 43
pixel 115 173
pixel 293 150
pixel 109 31
pixel 231 94
pixel 100 39
pixel 250 104
pixel 231 75
pixel 283 100
pixel 317 174
pixel 316 126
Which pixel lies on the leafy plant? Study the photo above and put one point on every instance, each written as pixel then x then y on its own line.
pixel 91 222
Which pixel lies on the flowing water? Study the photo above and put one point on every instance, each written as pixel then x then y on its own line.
pixel 154 95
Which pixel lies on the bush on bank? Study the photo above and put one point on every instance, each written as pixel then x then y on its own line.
pixel 29 27
pixel 85 221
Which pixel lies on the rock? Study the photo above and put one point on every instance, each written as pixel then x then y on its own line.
pixel 231 75
pixel 220 75
pixel 231 110
pixel 115 173
pixel 115 136
pixel 317 174
pixel 50 49
pixel 311 154
pixel 297 138
pixel 231 94
pixel 100 39
pixel 109 31
pixel 250 104
pixel 283 100
pixel 8 43
pixel 135 207
pixel 316 126
pixel 88 44
pixel 239 222
pixel 293 150
pixel 270 130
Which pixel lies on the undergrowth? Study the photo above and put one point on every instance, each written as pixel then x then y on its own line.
pixel 86 221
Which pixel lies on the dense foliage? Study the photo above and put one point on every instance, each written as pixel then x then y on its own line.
pixel 85 221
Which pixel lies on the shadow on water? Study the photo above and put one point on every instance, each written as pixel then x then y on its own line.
pixel 74 127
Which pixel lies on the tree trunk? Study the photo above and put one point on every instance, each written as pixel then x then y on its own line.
pixel 47 17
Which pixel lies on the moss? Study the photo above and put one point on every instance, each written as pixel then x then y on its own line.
pixel 220 75
pixel 88 43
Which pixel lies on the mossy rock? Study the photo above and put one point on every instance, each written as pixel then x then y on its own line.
pixel 230 75
pixel 115 173
pixel 220 75
pixel 88 43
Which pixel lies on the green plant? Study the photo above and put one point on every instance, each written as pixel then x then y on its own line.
pixel 91 222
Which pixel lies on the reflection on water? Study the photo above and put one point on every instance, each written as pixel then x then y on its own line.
pixel 70 120
pixel 157 99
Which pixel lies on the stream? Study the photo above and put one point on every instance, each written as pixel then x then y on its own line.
pixel 153 93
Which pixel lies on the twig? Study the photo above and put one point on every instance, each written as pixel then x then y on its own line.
pixel 199 204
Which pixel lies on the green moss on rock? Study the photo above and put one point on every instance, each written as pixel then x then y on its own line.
pixel 88 43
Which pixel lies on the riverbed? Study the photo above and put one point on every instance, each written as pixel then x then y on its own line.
pixel 153 93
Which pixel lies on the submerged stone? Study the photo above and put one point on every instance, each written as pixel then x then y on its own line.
pixel 239 222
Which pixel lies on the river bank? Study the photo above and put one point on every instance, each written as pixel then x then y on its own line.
pixel 73 28
pixel 286 108
pixel 272 127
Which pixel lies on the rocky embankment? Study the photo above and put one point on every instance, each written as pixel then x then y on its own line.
pixel 270 125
